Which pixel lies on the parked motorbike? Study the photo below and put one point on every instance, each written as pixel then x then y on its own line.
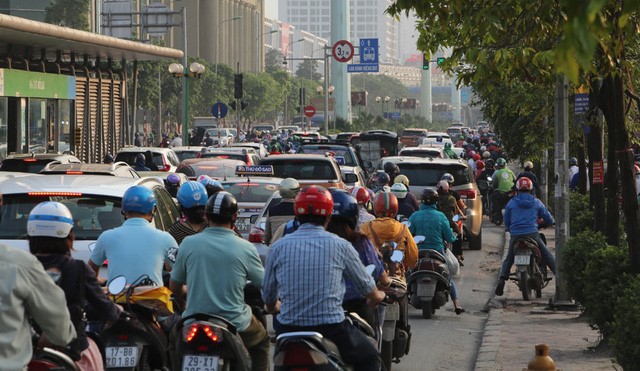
pixel 136 341
pixel 428 282
pixel 531 273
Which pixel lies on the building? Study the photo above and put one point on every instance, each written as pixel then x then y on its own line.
pixel 29 9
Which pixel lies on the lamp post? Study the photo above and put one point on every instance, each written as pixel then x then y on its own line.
pixel 258 40
pixel 286 50
pixel 180 70
pixel 218 38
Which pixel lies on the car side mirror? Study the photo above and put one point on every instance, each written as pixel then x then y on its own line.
pixel 253 218
pixel 350 178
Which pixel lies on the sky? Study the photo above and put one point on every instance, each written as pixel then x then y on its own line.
pixel 271 7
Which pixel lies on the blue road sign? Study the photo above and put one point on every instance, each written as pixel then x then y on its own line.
pixel 392 115
pixel 363 68
pixel 369 51
pixel 219 110
pixel 580 106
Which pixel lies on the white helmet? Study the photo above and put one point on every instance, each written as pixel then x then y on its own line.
pixel 289 188
pixel 399 190
pixel 49 219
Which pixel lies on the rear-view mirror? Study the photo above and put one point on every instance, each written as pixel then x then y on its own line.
pixel 117 285
pixel 419 239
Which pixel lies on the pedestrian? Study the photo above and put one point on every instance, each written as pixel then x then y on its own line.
pixel 138 140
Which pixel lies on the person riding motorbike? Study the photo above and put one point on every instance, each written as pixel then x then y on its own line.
pixel 385 228
pixel 404 207
pixel 448 152
pixel 281 213
pixel 51 236
pixel 411 198
pixel 382 183
pixel 215 266
pixel 502 183
pixel 521 220
pixel 192 198
pixel 434 226
pixel 172 184
pixel 456 246
pixel 528 173
pixel 392 170
pixel 292 273
pixel 140 163
pixel 363 197
pixel 447 205
pixel 136 248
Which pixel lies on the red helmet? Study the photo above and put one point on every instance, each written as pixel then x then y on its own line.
pixel 480 165
pixel 313 200
pixel 385 204
pixel 361 194
pixel 524 184
pixel 476 157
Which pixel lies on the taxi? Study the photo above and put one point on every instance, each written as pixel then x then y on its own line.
pixel 310 169
pixel 215 167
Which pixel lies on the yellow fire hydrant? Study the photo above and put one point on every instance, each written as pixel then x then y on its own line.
pixel 541 361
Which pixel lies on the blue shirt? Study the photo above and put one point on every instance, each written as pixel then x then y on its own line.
pixel 368 255
pixel 216 264
pixel 433 225
pixel 135 249
pixel 522 212
pixel 306 270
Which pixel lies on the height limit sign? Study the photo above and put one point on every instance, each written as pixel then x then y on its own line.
pixel 342 51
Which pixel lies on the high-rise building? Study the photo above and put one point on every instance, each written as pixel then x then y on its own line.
pixel 367 19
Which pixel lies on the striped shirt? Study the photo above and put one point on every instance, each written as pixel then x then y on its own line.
pixel 306 271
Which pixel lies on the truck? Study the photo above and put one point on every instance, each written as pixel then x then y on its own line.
pixel 205 122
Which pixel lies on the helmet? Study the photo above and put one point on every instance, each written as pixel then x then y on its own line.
pixel 480 165
pixel 361 194
pixel 483 149
pixel 383 179
pixel 573 161
pixel 399 190
pixel 49 219
pixel 391 168
pixel 108 158
pixel 447 145
pixel 289 188
pixel 345 207
pixel 528 165
pixel 486 154
pixel 524 184
pixel 472 153
pixel 448 177
pixel 429 196
pixel 501 162
pixel 173 179
pixel 138 199
pixel 476 157
pixel 385 204
pixel 192 194
pixel 402 179
pixel 443 186
pixel 490 163
pixel 313 200
pixel 221 204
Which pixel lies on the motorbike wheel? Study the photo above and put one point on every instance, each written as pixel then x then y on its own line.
pixel 523 282
pixel 427 309
pixel 538 293
pixel 386 354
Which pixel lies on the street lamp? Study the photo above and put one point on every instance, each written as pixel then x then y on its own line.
pixel 258 40
pixel 180 70
pixel 286 49
pixel 218 38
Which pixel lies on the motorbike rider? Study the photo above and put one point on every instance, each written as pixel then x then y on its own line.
pixel 447 205
pixel 382 183
pixel 434 226
pixel 363 197
pixel 456 246
pixel 306 268
pixel 136 248
pixel 281 213
pixel 140 163
pixel 502 183
pixel 521 220
pixel 385 228
pixel 411 198
pixel 448 152
pixel 528 172
pixel 215 266
pixel 51 236
pixel 392 170
pixel 192 198
pixel 404 207
pixel 172 184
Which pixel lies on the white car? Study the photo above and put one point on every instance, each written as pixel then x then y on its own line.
pixel 436 139
pixel 164 158
pixel 258 147
pixel 225 135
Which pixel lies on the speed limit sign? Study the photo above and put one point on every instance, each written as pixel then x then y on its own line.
pixel 342 51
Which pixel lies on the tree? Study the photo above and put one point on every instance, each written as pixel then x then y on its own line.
pixel 273 61
pixel 308 69
pixel 68 13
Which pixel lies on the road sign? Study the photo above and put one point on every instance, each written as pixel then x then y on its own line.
pixel 342 51
pixel 369 51
pixel 363 68
pixel 309 111
pixel 219 110
pixel 598 172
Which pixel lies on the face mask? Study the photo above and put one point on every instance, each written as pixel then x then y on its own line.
pixel 55 275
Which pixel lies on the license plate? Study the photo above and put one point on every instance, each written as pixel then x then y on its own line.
pixel 121 356
pixel 522 259
pixel 243 224
pixel 426 289
pixel 199 363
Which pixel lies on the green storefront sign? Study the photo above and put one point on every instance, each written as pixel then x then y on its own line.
pixel 18 83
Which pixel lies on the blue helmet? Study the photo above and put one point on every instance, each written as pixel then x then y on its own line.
pixel 345 207
pixel 192 194
pixel 173 179
pixel 139 199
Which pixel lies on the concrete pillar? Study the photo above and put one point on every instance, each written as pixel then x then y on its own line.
pixel 426 108
pixel 340 30
pixel 206 30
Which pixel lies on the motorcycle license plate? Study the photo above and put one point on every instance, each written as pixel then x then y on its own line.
pixel 522 259
pixel 121 356
pixel 199 363
pixel 426 289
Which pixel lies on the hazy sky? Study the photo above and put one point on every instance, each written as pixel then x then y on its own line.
pixel 271 9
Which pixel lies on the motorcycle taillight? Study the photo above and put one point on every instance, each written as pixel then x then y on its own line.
pixel 195 330
pixel 300 354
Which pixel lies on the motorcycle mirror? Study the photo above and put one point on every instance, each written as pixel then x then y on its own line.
pixel 370 269
pixel 91 246
pixel 397 256
pixel 456 218
pixel 117 285
pixel 419 239
pixel 407 223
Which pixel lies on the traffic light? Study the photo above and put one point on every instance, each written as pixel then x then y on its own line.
pixel 238 86
pixel 243 104
pixel 425 62
pixel 232 105
pixel 440 60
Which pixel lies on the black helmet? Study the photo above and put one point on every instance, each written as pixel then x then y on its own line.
pixel 391 169
pixel 383 179
pixel 429 196
pixel 345 207
pixel 573 161
pixel 222 204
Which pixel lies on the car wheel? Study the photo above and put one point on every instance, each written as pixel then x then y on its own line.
pixel 475 243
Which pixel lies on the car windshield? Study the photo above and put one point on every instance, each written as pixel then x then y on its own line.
pixel 338 151
pixel 230 155
pixel 24 165
pixel 429 174
pixel 211 169
pixel 130 158
pixel 303 169
pixel 92 214
pixel 426 153
pixel 412 133
pixel 185 155
pixel 250 192
pixel 214 132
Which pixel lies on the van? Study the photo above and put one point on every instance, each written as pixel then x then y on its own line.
pixel 413 137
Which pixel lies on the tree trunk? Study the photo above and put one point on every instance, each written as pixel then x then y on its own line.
pixel 582 173
pixel 595 151
pixel 607 104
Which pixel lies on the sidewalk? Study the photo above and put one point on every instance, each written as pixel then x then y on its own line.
pixel 514 327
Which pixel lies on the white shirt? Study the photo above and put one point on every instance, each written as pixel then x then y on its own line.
pixel 176 142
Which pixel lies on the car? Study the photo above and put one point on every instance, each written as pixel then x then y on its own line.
pixel 427 172
pixel 260 149
pixel 164 158
pixel 344 137
pixel 35 162
pixel 94 201
pixel 346 157
pixel 436 139
pixel 251 193
pixel 247 155
pixel 217 168
pixel 412 137
pixel 422 151
pixel 320 170
pixel 224 135
pixel 263 128
pixel 258 226
pixel 454 131
pixel 309 136
pixel 184 153
pixel 116 169
pixel 289 127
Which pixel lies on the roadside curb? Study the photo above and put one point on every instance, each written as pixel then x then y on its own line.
pixel 486 359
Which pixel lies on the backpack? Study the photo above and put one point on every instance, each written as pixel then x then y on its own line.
pixel 72 281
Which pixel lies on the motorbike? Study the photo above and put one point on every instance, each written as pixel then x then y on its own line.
pixel 428 282
pixel 483 187
pixel 498 201
pixel 531 273
pixel 50 359
pixel 136 340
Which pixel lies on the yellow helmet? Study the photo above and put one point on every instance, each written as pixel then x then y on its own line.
pixel 402 179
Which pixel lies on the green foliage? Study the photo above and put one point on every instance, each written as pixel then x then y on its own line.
pixel 68 13
pixel 625 336
pixel 581 213
pixel 273 61
pixel 575 256
pixel 308 69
